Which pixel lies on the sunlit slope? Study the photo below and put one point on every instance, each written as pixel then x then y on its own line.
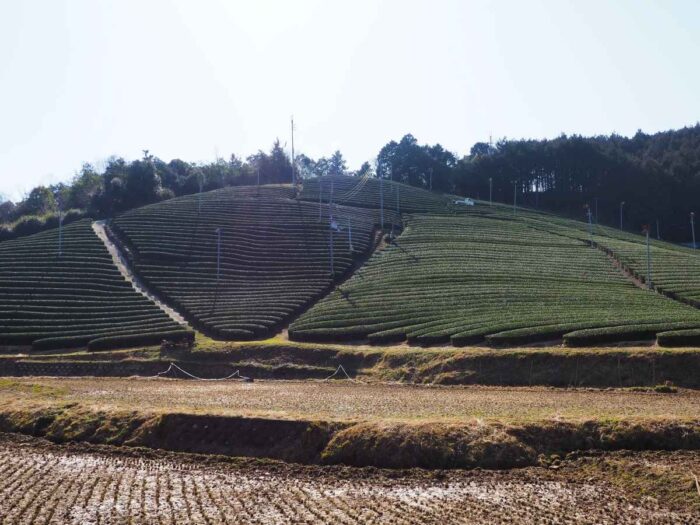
pixel 488 275
pixel 275 257
pixel 371 193
pixel 78 298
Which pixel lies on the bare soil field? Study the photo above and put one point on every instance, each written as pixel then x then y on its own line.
pixel 85 484
pixel 347 401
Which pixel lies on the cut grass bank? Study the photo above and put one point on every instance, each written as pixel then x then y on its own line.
pixel 358 425
pixel 552 366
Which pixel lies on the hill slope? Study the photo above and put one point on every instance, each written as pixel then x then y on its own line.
pixel 487 274
pixel 75 299
pixel 275 255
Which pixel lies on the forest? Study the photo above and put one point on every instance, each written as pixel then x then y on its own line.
pixel 628 182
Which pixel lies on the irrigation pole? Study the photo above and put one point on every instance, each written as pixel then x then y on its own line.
pixel 398 208
pixel 490 191
pixel 622 205
pixel 381 200
pixel 649 281
pixel 330 230
pixel 596 211
pixel 218 255
pixel 294 178
pixel 692 227
pixel 199 197
pixel 60 231
pixel 590 224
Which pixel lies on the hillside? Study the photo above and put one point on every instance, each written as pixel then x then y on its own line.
pixel 275 257
pixel 488 275
pixel 74 299
pixel 458 275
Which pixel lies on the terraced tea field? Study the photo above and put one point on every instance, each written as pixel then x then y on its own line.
pixel 72 484
pixel 74 299
pixel 275 259
pixel 371 193
pixel 488 276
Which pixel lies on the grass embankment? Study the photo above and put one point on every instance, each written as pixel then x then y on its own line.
pixel 602 367
pixel 361 425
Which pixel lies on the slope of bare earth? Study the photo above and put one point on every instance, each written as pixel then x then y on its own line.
pixel 349 401
pixel 79 484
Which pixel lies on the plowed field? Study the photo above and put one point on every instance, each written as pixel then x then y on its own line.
pixel 72 484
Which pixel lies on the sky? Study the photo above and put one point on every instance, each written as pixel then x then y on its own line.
pixel 81 80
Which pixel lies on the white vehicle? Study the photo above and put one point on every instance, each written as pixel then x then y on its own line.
pixel 465 201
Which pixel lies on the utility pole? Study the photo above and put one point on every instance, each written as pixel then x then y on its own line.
pixel 218 256
pixel 398 208
pixel 649 280
pixel 596 211
pixel 692 226
pixel 490 191
pixel 381 200
pixel 199 197
pixel 622 205
pixel 590 224
pixel 60 230
pixel 294 179
pixel 330 230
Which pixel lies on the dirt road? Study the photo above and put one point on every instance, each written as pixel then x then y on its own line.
pixel 352 401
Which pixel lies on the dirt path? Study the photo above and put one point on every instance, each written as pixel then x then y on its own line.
pixel 123 265
pixel 74 484
pixel 346 401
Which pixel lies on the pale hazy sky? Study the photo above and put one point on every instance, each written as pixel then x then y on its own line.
pixel 81 80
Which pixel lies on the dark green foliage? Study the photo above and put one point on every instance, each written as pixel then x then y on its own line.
pixel 121 341
pixel 52 301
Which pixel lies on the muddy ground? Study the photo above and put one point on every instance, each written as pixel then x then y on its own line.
pixel 42 482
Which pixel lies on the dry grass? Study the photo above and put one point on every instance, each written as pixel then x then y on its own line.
pixel 344 401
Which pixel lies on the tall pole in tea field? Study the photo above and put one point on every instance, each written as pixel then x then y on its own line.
pixel 330 230
pixel 590 224
pixel 381 200
pixel 490 191
pixel 431 179
pixel 60 230
pixel 596 211
pixel 658 235
pixel 515 195
pixel 199 197
pixel 692 226
pixel 218 255
pixel 294 178
pixel 320 202
pixel 350 235
pixel 622 205
pixel 649 280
